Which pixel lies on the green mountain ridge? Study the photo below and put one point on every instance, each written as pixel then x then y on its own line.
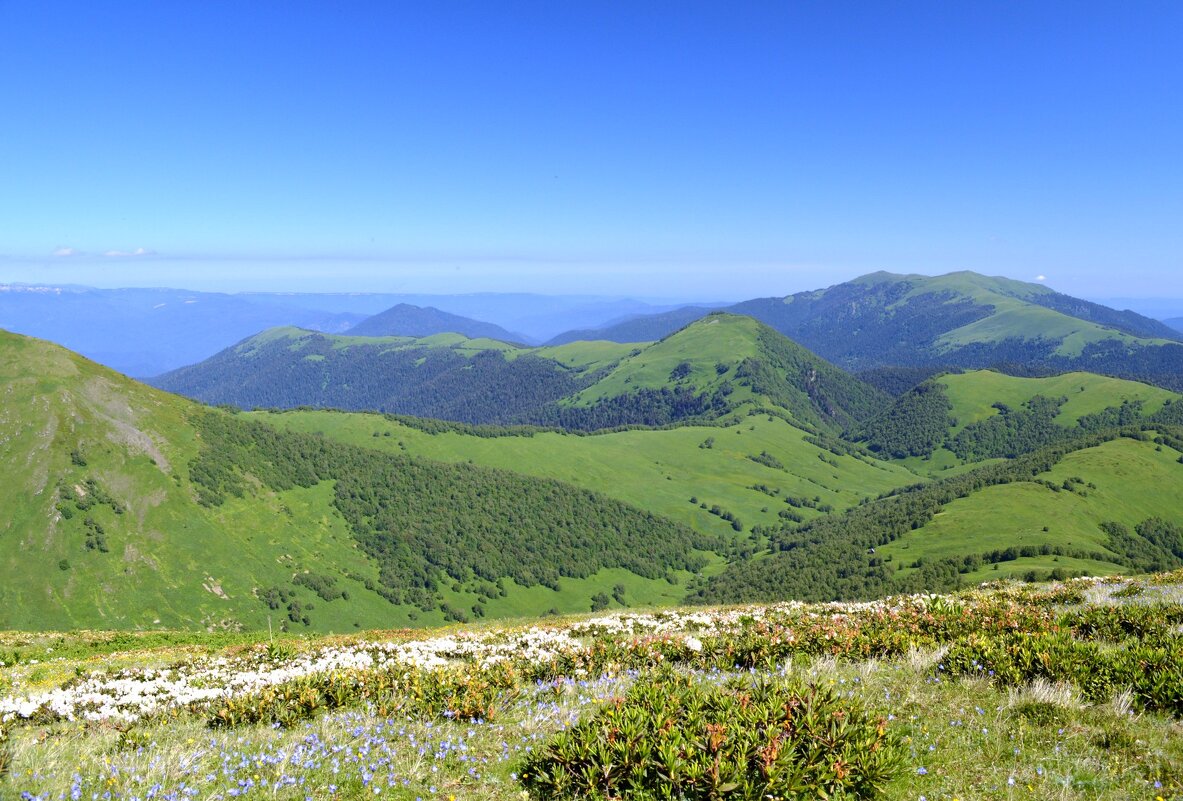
pixel 703 371
pixel 962 319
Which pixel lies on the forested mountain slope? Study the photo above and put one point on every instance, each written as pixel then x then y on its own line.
pixel 126 507
pixel 964 320
pixel 1092 505
pixel 704 371
pixel 750 475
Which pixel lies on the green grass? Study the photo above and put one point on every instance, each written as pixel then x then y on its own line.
pixel 657 470
pixel 170 562
pixel 1130 477
pixel 1014 316
pixel 574 596
pixel 973 394
pixel 716 339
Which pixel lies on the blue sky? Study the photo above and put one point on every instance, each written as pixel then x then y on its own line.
pixel 681 150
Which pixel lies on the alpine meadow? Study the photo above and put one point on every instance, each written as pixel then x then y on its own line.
pixel 563 402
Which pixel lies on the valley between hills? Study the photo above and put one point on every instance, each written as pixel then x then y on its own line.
pixel 302 507
pixel 723 462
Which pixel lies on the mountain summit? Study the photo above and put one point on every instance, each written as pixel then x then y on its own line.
pixel 961 319
pixel 406 320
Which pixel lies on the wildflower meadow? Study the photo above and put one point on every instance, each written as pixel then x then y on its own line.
pixel 1008 691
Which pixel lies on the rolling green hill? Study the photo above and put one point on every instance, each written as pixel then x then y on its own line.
pixel 960 418
pixel 1096 504
pixel 747 469
pixel 126 507
pixel 701 372
pixel 1121 480
pixel 957 320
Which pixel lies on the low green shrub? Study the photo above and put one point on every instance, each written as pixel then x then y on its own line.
pixel 456 693
pixel 673 738
pixel 1117 623
pixel 1152 669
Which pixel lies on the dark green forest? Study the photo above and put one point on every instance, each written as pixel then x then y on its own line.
pixel 915 425
pixel 421 381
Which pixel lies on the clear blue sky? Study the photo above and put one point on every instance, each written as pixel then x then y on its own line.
pixel 663 149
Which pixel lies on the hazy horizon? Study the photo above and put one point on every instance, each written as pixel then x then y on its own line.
pixel 1151 305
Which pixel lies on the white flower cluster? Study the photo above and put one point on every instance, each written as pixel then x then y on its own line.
pixel 135 694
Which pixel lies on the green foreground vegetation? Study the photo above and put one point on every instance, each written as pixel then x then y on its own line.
pixel 1066 691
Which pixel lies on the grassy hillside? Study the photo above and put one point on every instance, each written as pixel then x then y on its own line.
pixel 126 507
pixel 73 430
pixel 701 372
pixel 1122 480
pixel 657 470
pixel 956 419
pixel 957 320
pixel 1091 499
pixel 973 394
pixel 1019 312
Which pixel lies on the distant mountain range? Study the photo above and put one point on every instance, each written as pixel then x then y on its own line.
pixel 956 320
pixel 703 371
pixel 406 320
pixel 897 329
pixel 961 319
pixel 146 332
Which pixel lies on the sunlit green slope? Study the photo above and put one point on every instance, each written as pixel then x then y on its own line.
pixel 125 507
pixel 1125 481
pixel 704 371
pixel 958 420
pixel 73 430
pixel 1101 503
pixel 658 470
pixel 974 393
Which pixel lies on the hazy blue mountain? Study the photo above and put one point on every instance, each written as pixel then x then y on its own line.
pixel 144 332
pixel 637 328
pixel 535 317
pixel 405 320
pixel 1175 323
